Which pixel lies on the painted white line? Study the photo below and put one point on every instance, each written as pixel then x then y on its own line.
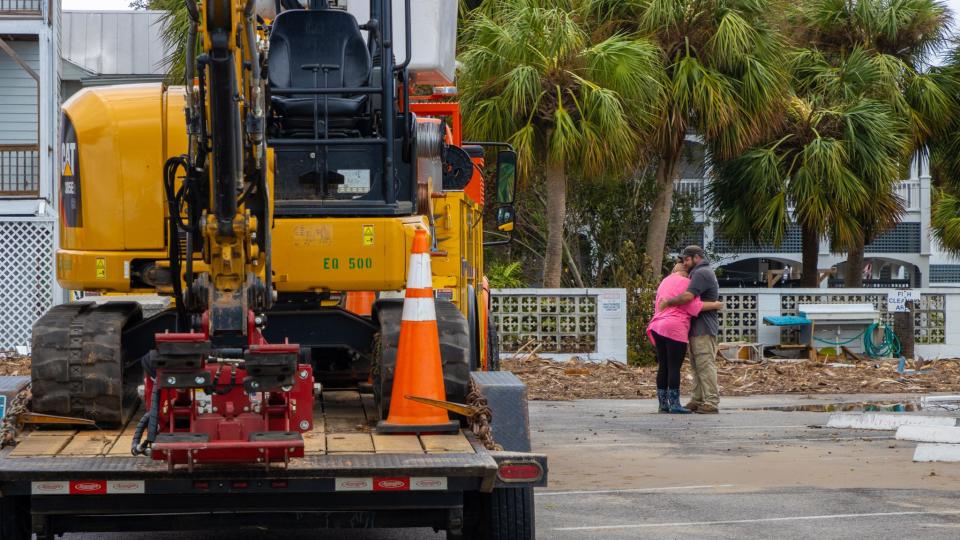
pixel 637 490
pixel 723 442
pixel 762 520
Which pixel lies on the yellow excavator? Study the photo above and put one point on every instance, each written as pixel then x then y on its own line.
pixel 274 197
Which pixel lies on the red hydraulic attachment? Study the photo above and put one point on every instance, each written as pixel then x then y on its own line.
pixel 229 410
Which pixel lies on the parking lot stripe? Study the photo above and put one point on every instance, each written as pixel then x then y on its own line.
pixel 761 520
pixel 636 490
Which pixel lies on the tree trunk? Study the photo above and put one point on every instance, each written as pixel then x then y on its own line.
pixel 853 276
pixel 660 214
pixel 556 215
pixel 810 276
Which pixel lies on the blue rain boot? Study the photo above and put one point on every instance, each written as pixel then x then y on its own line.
pixel 673 401
pixel 662 398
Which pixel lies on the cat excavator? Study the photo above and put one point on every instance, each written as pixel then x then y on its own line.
pixel 274 199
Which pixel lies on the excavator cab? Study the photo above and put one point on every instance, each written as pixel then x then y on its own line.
pixel 341 146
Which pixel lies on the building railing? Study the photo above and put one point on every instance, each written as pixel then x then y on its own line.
pixel 695 189
pixel 19 169
pixel 20 7
pixel 692 188
pixel 909 191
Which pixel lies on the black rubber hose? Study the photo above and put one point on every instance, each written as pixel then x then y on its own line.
pixel 148 421
pixel 173 241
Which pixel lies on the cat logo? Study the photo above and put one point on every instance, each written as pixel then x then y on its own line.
pixel 71 210
pixel 69 153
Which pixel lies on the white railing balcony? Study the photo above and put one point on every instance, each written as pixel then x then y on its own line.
pixel 909 191
pixel 20 8
pixel 692 189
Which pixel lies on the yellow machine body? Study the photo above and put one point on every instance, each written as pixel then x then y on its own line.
pixel 123 136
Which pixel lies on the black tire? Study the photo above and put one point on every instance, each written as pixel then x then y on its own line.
pixel 78 362
pixel 504 514
pixel 454 351
pixel 15 518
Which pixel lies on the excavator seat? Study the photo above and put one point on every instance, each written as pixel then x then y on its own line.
pixel 320 48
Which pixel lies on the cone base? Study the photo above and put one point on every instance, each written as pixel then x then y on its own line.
pixel 387 428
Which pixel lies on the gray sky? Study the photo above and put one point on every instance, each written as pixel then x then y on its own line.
pixel 108 4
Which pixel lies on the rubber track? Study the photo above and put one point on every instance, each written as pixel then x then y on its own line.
pixel 77 367
pixel 454 351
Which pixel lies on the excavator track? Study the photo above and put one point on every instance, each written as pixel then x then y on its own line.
pixel 454 351
pixel 78 366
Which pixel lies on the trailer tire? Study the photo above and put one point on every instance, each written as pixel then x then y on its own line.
pixel 454 351
pixel 15 518
pixel 503 514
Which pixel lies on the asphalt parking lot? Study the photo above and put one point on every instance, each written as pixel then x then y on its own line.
pixel 618 470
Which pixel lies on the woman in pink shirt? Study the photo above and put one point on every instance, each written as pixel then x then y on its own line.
pixel 668 331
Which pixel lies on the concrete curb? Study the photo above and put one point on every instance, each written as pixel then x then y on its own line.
pixel 946 403
pixel 926 452
pixel 886 422
pixel 929 434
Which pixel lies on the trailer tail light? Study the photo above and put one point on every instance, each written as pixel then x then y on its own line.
pixel 201 485
pixel 279 484
pixel 239 485
pixel 520 471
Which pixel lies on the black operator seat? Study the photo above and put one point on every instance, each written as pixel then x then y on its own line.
pixel 324 39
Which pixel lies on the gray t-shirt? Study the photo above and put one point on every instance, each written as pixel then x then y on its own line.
pixel 703 283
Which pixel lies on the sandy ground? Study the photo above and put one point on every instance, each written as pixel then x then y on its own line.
pixel 743 448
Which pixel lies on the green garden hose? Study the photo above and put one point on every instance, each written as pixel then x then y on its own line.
pixel 887 348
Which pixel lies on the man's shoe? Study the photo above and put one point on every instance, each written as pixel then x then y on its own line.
pixel 692 406
pixel 662 398
pixel 706 408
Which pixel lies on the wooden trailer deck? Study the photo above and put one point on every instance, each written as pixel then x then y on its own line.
pixel 344 423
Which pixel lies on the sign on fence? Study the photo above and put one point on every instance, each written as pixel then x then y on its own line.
pixel 897 300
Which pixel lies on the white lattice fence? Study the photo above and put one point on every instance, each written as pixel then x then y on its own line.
pixel 559 323
pixel 738 319
pixel 26 277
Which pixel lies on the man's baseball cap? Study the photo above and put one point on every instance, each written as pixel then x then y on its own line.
pixel 692 251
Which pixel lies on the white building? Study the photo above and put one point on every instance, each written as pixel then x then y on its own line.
pixel 29 120
pixel 905 256
pixel 45 57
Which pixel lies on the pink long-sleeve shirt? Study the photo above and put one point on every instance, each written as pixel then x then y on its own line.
pixel 673 322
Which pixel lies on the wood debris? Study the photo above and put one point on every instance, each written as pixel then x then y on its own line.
pixel 577 379
pixel 14 364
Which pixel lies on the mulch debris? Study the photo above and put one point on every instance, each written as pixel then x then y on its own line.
pixel 12 363
pixel 578 379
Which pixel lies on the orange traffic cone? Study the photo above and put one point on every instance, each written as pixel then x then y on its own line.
pixel 419 370
pixel 360 302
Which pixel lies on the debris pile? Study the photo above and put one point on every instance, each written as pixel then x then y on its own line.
pixel 12 363
pixel 577 379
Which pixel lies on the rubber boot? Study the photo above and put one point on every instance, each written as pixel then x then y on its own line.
pixel 673 400
pixel 662 398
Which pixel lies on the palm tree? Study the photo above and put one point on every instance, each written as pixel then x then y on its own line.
pixel 945 164
pixel 722 66
pixel 900 36
pixel 570 102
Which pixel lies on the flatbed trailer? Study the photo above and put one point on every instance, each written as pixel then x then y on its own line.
pixel 57 481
